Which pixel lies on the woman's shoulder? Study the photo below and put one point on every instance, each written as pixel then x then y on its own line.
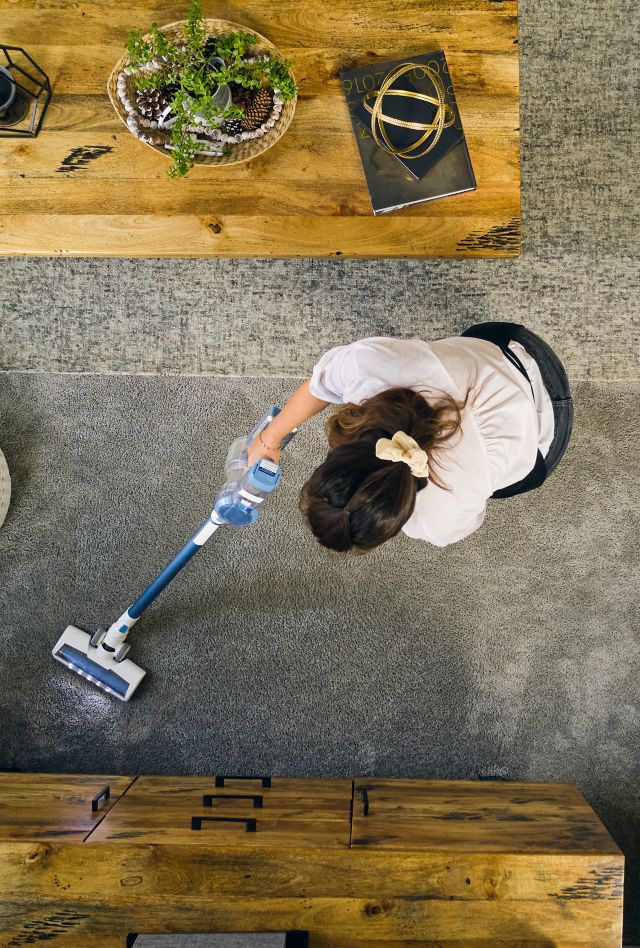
pixel 407 363
pixel 367 366
pixel 391 347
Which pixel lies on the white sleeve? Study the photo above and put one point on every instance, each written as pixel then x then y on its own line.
pixel 327 379
pixel 364 368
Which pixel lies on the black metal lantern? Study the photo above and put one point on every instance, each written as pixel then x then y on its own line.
pixel 25 91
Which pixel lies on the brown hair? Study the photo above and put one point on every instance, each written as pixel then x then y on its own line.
pixel 355 501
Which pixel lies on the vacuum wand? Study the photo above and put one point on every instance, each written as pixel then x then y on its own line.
pixel 118 630
pixel 101 657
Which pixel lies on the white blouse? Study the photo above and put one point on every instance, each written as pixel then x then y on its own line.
pixel 503 424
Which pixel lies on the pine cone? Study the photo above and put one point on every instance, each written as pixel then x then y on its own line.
pixel 151 103
pixel 257 109
pixel 232 126
pixel 148 103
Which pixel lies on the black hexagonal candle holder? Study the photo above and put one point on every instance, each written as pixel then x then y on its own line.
pixel 25 92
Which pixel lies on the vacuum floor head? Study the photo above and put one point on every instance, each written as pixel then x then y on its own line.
pixel 97 665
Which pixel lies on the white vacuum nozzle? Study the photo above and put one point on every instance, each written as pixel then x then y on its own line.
pixel 97 665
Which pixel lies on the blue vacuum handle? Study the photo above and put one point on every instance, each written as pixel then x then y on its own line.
pixel 239 499
pixel 161 581
pixel 237 504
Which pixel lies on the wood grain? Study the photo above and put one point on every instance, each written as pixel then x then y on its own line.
pixel 342 898
pixel 475 817
pixel 332 921
pixel 54 806
pixel 488 72
pixel 239 236
pixel 86 187
pixel 134 872
pixel 536 888
pixel 292 24
pixel 291 813
pixel 30 160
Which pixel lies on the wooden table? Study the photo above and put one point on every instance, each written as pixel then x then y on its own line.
pixel 370 863
pixel 86 187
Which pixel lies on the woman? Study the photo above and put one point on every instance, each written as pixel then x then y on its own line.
pixel 426 433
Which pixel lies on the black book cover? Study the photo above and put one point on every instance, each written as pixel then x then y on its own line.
pixel 390 185
pixel 412 110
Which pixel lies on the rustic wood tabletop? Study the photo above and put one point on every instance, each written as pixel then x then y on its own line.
pixel 86 187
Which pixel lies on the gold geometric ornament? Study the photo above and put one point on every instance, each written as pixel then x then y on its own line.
pixel 443 118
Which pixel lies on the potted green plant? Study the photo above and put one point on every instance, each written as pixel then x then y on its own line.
pixel 201 91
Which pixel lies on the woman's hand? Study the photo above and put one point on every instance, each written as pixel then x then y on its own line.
pixel 257 451
pixel 300 407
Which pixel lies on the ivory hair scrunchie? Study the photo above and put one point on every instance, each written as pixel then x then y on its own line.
pixel 404 448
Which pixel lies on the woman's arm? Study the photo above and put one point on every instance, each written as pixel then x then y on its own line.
pixel 300 408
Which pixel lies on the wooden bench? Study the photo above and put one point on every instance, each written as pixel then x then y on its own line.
pixel 358 864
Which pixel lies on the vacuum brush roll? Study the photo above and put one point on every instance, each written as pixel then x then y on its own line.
pixel 74 649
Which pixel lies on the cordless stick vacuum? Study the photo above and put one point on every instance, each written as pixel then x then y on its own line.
pixel 101 657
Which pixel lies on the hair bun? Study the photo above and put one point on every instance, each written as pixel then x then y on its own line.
pixel 330 522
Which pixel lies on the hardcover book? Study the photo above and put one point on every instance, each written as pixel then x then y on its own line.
pixel 396 181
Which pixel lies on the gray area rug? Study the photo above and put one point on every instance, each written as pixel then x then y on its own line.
pixel 514 654
pixel 576 283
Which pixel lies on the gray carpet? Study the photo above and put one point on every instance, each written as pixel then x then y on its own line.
pixel 514 654
pixel 576 283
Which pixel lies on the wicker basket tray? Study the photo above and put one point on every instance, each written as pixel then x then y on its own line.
pixel 239 152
